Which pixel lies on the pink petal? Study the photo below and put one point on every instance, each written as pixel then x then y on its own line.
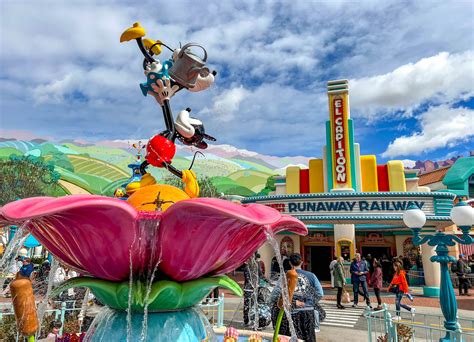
pixel 210 236
pixel 92 234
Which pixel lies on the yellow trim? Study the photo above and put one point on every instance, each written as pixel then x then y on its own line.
pixel 316 176
pixel 351 247
pixel 293 180
pixel 396 176
pixel 368 169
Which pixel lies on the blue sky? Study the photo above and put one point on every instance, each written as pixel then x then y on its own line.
pixel 65 75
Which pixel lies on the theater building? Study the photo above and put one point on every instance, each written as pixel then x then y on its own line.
pixel 351 203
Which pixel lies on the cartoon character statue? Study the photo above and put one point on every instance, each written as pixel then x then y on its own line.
pixel 184 70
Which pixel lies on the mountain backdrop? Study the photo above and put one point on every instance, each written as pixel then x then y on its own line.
pixel 103 166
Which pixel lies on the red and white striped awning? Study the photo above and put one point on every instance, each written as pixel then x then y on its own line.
pixel 466 249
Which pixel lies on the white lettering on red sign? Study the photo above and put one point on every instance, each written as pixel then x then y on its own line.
pixel 339 142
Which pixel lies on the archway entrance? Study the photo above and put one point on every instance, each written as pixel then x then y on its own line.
pixel 320 257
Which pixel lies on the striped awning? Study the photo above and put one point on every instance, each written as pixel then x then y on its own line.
pixel 466 249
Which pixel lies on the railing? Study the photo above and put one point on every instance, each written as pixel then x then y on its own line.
pixel 59 313
pixel 455 278
pixel 423 327
pixel 212 307
pixel 416 277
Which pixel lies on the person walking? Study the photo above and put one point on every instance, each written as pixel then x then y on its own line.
pixel 399 287
pixel 359 272
pixel 376 281
pixel 462 271
pixel 339 280
pixel 331 270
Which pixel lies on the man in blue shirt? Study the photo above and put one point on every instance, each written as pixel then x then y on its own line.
pixel 359 271
pixel 316 291
pixel 27 268
pixel 308 291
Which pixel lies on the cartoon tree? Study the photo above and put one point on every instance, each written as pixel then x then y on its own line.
pixel 27 176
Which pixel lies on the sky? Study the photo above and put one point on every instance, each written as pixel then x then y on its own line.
pixel 410 66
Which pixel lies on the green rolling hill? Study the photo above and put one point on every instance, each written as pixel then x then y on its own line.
pixel 251 179
pixel 228 186
pixel 6 152
pixel 101 169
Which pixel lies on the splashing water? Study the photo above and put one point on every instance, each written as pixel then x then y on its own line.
pixel 283 283
pixel 43 304
pixel 84 307
pixel 254 281
pixel 210 334
pixel 130 285
pixel 150 229
pixel 104 315
pixel 13 248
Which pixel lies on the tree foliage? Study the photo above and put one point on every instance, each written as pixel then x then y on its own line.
pixel 206 188
pixel 27 176
pixel 269 186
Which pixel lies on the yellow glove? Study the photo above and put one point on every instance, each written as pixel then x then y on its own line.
pixel 191 186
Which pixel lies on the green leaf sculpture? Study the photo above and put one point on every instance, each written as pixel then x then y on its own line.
pixel 165 295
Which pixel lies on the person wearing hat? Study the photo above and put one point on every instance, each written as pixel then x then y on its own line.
pixel 463 270
pixel 27 268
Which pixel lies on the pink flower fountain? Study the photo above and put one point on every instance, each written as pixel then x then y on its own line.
pixel 117 248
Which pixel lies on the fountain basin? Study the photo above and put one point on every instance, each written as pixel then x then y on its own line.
pixel 188 325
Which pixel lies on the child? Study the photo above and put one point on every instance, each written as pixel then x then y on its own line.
pixel 399 286
pixel 55 326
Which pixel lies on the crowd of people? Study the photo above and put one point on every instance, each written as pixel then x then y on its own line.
pixel 370 272
pixel 365 274
pixel 306 311
pixel 263 295
pixel 80 307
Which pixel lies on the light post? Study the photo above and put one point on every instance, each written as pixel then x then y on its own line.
pixel 463 216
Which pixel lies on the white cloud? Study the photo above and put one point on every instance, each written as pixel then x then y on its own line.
pixel 440 127
pixel 97 83
pixel 67 74
pixel 227 104
pixel 271 118
pixel 441 78
pixel 408 163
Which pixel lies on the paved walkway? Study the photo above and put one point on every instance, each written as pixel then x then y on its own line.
pixel 349 324
pixel 347 318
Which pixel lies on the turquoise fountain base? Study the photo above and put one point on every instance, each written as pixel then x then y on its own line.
pixel 184 326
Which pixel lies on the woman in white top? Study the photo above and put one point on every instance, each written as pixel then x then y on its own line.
pixel 62 274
